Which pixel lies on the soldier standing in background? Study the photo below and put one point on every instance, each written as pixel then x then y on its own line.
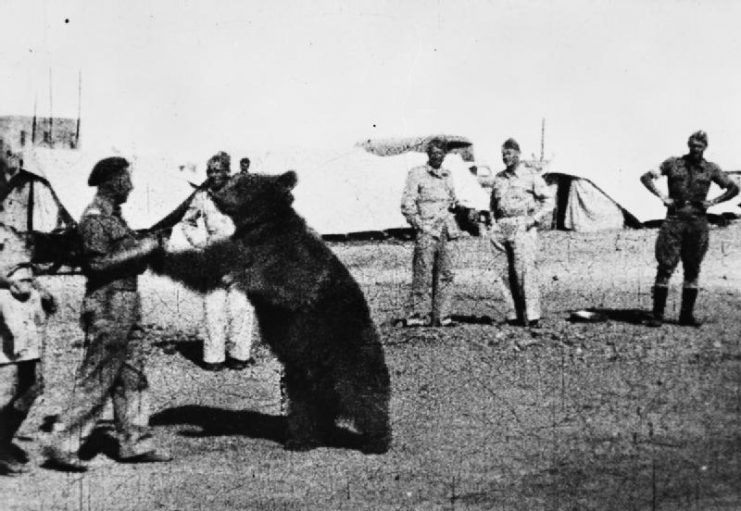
pixel 684 233
pixel 427 202
pixel 244 165
pixel 230 317
pixel 520 199
pixel 113 365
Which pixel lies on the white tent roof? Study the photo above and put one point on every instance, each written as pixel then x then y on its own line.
pixel 159 187
pixel 355 191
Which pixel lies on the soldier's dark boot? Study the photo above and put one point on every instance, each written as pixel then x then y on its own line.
pixel 657 316
pixel 686 313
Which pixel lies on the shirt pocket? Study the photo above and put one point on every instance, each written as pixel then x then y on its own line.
pixel 431 191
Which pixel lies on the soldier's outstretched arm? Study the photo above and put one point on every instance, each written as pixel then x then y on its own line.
pixel 120 258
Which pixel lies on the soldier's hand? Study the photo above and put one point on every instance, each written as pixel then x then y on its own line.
pixel 668 201
pixel 48 302
pixel 227 280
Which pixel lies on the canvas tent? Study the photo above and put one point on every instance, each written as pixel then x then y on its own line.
pixel 356 192
pixel 158 188
pixel 595 202
pixel 400 145
pixel 582 206
pixel 158 184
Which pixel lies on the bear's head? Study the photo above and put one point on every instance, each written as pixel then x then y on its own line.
pixel 254 198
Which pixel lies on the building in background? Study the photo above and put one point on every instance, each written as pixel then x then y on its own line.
pixel 22 131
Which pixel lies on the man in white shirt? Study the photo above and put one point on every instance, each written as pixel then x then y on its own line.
pixel 229 315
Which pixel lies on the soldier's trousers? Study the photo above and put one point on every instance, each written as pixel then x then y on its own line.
pixel 519 276
pixel 230 318
pixel 432 276
pixel 113 366
pixel 684 239
pixel 20 384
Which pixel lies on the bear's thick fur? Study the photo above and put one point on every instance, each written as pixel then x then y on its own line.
pixel 311 311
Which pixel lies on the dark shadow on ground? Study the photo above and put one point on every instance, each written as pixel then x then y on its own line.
pixel 101 441
pixel 191 350
pixel 220 422
pixel 473 320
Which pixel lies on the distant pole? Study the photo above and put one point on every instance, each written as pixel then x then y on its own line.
pixel 79 108
pixel 542 140
pixel 33 124
pixel 51 112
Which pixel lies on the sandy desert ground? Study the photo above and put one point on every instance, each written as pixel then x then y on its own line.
pixel 612 415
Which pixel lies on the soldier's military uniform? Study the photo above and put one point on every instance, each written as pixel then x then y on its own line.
pixel 428 196
pixel 114 359
pixel 113 365
pixel 684 233
pixel 517 198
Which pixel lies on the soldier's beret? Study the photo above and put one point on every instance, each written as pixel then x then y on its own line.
pixel 105 169
pixel 511 143
pixel 699 136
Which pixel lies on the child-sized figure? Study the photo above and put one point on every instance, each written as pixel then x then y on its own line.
pixel 23 314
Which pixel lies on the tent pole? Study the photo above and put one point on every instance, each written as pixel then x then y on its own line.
pixel 79 108
pixel 542 140
pixel 33 124
pixel 51 113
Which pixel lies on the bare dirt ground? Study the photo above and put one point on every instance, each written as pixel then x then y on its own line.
pixel 572 416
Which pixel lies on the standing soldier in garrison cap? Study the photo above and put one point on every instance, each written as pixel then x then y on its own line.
pixel 520 199
pixel 684 233
pixel 113 365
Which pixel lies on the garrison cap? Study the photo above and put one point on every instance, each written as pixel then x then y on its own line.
pixel 699 136
pixel 511 143
pixel 105 169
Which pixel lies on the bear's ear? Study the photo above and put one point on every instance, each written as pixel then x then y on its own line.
pixel 288 179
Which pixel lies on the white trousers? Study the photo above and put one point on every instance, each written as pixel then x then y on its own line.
pixel 230 319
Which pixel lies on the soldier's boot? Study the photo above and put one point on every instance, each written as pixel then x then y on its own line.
pixel 657 316
pixel 686 313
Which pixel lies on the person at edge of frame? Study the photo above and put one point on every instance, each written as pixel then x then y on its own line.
pixel 114 359
pixel 23 315
pixel 684 233
pixel 428 203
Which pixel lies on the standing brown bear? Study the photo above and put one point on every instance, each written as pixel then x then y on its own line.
pixel 311 311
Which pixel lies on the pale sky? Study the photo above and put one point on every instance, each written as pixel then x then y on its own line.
pixel 621 84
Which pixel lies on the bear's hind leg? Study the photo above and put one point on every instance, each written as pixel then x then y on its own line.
pixel 368 408
pixel 305 427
